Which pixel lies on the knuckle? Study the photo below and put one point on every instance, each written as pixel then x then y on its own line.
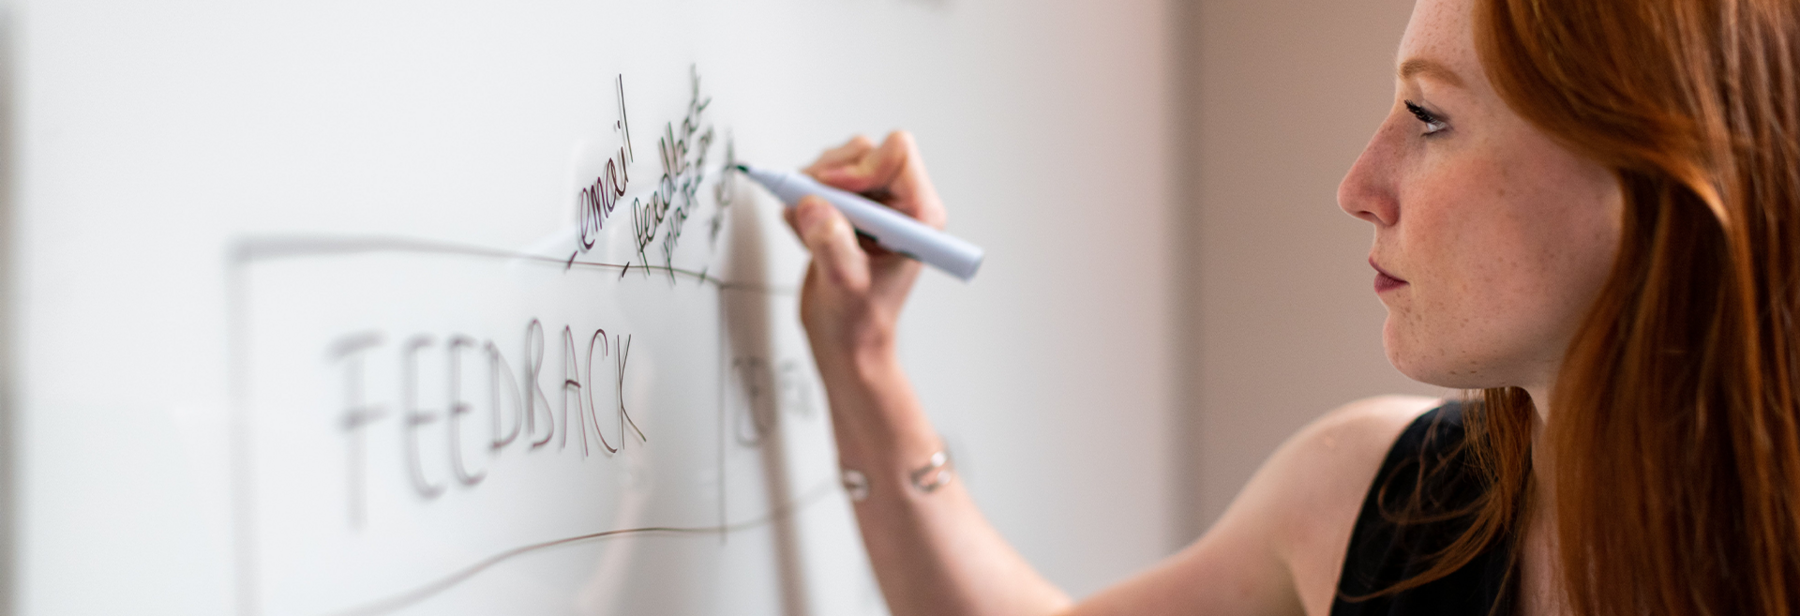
pixel 819 240
pixel 839 276
pixel 841 273
pixel 823 237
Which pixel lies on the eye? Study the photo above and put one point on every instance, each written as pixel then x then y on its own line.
pixel 1433 123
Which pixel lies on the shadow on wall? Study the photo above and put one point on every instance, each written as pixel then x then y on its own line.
pixel 630 579
pixel 9 483
pixel 747 322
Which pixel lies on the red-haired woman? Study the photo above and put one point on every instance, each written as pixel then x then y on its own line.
pixel 1589 210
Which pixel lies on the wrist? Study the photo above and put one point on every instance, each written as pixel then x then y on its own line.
pixel 854 341
pixel 869 360
pixel 922 479
pixel 874 413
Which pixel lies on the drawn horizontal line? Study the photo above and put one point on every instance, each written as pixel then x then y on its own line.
pixel 278 247
pixel 425 591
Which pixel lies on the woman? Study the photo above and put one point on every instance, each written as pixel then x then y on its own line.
pixel 1587 209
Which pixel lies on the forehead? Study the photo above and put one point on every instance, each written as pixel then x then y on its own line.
pixel 1441 32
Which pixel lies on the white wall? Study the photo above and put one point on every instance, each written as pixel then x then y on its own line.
pixel 1078 275
pixel 152 136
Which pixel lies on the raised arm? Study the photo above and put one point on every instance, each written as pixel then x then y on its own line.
pixel 934 553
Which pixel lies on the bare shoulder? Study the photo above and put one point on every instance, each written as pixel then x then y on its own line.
pixel 1279 546
pixel 1312 489
pixel 1361 431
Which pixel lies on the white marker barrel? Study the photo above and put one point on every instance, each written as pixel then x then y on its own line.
pixel 892 230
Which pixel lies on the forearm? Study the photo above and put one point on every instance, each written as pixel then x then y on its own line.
pixel 933 553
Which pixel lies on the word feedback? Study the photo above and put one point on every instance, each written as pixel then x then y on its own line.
pixel 517 407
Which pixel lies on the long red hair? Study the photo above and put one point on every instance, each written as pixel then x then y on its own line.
pixel 1675 423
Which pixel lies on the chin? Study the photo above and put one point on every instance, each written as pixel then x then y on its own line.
pixel 1441 375
pixel 1433 364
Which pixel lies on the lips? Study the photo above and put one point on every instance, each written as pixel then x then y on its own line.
pixel 1384 281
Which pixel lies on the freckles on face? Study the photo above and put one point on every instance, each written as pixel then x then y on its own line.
pixel 1503 236
pixel 1506 244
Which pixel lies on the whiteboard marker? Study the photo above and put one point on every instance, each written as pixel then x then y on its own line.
pixel 890 229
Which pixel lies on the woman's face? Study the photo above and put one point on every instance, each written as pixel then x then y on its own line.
pixel 1495 239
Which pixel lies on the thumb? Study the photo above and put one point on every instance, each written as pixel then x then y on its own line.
pixel 836 256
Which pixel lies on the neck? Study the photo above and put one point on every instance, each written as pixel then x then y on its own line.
pixel 1541 583
pixel 1540 463
pixel 1540 398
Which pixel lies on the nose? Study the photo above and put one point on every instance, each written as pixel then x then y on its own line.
pixel 1367 191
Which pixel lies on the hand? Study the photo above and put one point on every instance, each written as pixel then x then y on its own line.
pixel 854 289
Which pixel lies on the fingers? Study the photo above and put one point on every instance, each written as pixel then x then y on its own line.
pixel 842 155
pixel 894 168
pixel 836 256
pixel 876 167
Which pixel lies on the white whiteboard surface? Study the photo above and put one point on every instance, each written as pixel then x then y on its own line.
pixel 272 263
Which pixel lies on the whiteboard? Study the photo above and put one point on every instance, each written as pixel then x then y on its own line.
pixel 414 308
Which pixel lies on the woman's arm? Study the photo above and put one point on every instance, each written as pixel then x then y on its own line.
pixel 934 553
pixel 1279 547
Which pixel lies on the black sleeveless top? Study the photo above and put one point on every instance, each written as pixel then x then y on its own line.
pixel 1384 551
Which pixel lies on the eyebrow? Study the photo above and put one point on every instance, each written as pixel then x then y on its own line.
pixel 1428 68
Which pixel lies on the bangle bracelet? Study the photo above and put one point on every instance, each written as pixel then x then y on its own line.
pixel 934 474
pixel 928 478
pixel 856 485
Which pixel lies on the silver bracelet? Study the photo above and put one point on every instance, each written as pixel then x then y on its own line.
pixel 934 474
pixel 856 485
pixel 928 478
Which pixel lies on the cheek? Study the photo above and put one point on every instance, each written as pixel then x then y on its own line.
pixel 1566 230
pixel 1572 246
pixel 1503 271
pixel 1466 291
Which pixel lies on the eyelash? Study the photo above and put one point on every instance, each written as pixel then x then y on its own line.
pixel 1433 123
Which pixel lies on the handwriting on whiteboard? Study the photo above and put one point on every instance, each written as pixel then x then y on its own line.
pixel 532 421
pixel 599 198
pixel 683 153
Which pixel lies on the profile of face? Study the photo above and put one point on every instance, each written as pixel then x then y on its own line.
pixel 1492 240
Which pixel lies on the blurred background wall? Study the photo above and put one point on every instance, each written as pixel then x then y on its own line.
pixel 1279 322
pixel 1271 101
